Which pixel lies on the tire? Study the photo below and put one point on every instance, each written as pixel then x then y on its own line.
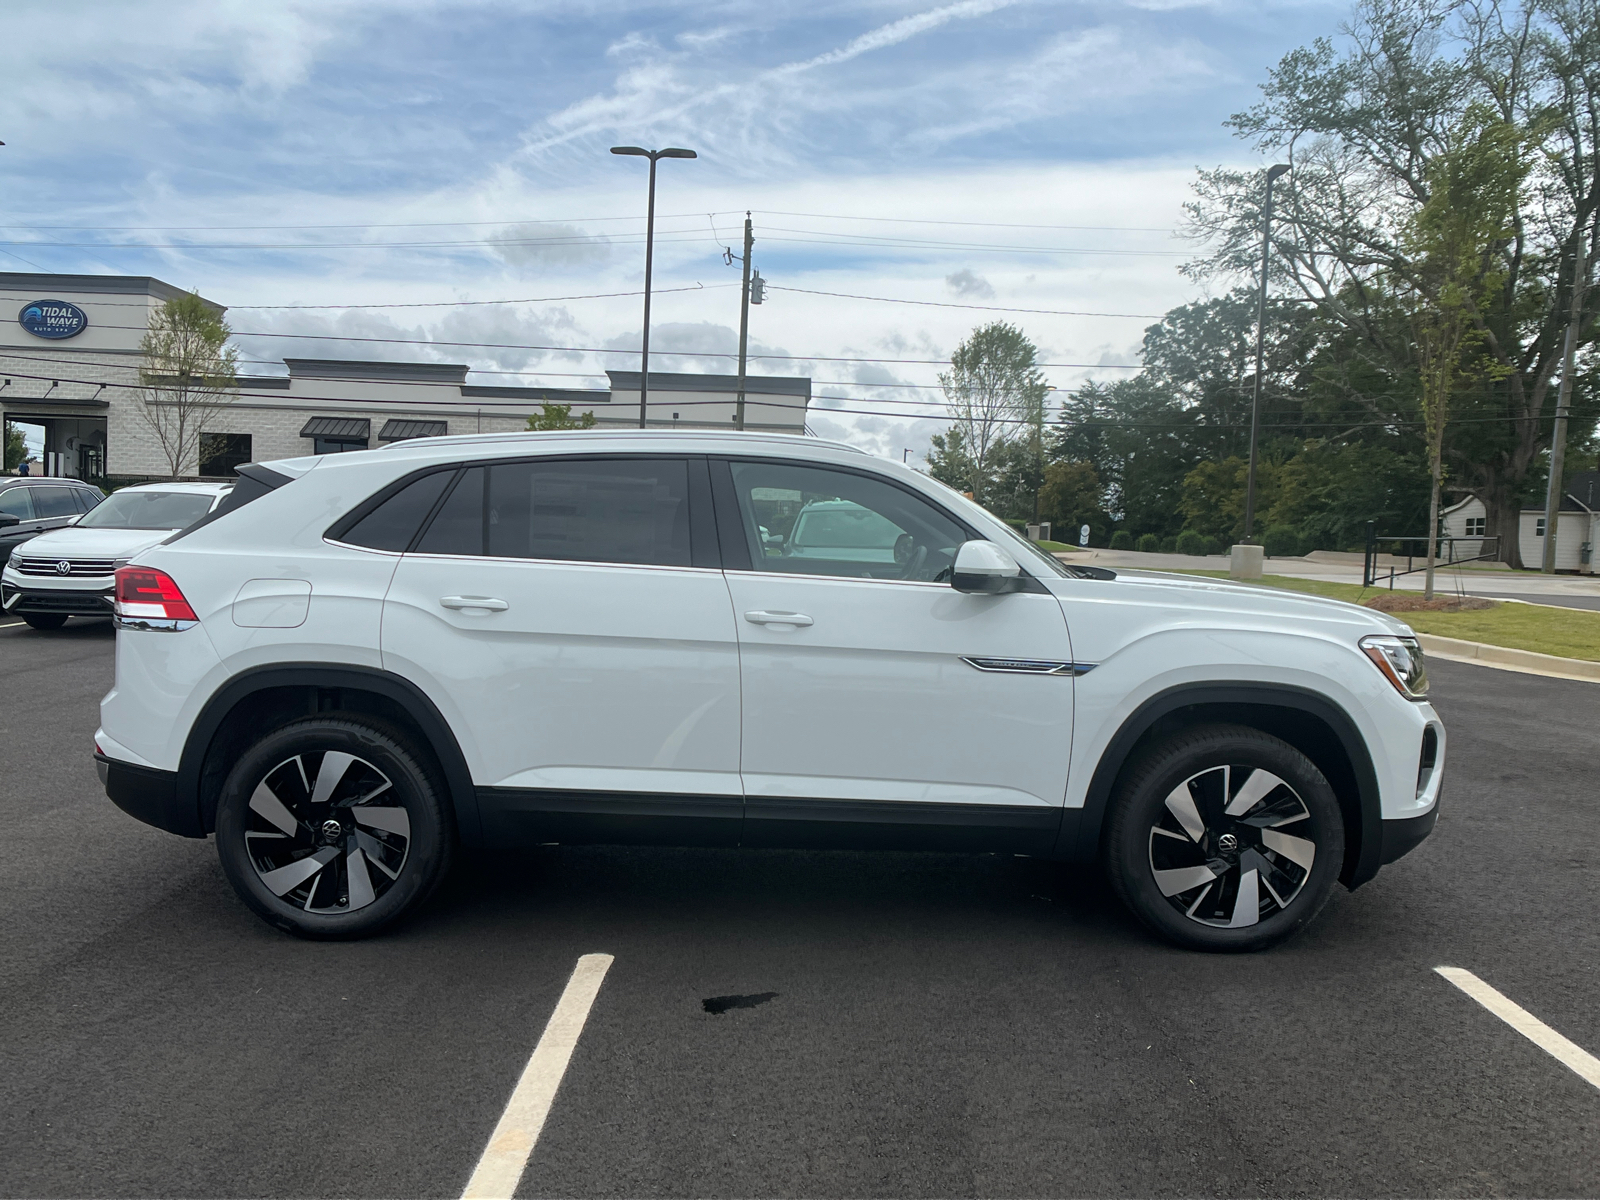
pixel 340 857
pixel 45 621
pixel 1184 863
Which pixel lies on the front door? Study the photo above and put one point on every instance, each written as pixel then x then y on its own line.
pixel 881 706
pixel 589 665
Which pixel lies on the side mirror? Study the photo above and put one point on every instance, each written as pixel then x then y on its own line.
pixel 7 520
pixel 984 569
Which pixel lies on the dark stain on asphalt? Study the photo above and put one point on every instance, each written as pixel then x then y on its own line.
pixel 721 1004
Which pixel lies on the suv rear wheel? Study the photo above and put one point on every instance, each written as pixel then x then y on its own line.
pixel 330 828
pixel 1224 838
pixel 45 620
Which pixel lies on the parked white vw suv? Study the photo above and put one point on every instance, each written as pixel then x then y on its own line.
pixel 68 572
pixel 361 661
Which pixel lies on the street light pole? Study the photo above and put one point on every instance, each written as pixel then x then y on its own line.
pixel 649 255
pixel 1261 353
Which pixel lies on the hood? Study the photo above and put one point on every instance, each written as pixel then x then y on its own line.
pixel 72 542
pixel 1203 594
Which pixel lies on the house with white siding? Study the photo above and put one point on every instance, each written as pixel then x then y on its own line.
pixel 1577 526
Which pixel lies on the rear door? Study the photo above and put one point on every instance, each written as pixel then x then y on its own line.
pixel 881 706
pixel 571 619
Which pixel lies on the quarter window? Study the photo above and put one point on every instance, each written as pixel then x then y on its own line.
pixel 393 524
pixel 805 520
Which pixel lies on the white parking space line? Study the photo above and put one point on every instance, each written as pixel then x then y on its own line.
pixel 13 624
pixel 500 1168
pixel 1564 1051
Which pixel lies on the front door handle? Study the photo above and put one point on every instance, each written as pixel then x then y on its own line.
pixel 792 619
pixel 487 603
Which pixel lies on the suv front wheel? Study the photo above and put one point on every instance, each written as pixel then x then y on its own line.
pixel 1224 838
pixel 330 828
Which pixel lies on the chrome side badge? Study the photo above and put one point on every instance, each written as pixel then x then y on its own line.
pixel 1029 666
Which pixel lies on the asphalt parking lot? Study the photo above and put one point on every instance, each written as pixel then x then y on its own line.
pixel 942 1026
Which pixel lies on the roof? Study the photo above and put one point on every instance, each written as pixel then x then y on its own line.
pixel 106 285
pixel 396 430
pixel 178 485
pixel 758 385
pixel 17 480
pixel 349 368
pixel 547 395
pixel 337 427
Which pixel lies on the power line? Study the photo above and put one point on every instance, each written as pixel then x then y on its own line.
pixel 1048 312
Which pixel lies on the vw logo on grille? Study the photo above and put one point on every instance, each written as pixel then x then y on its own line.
pixel 63 567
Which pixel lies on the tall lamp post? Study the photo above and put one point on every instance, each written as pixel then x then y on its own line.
pixel 649 253
pixel 1261 353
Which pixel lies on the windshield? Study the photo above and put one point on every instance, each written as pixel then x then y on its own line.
pixel 147 510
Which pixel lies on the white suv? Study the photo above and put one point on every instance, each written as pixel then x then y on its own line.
pixel 360 661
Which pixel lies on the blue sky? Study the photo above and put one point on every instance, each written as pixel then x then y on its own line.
pixel 363 152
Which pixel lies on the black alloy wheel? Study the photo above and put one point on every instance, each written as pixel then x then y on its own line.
pixel 330 827
pixel 1225 838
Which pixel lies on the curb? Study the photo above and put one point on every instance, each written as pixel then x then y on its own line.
pixel 1528 662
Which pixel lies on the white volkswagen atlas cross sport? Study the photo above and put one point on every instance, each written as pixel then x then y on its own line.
pixel 362 661
pixel 68 572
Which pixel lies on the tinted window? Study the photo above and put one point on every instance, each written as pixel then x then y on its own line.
pixel 221 453
pixel 457 528
pixel 85 498
pixel 54 502
pixel 606 510
pixel 815 521
pixel 148 510
pixel 393 524
pixel 17 502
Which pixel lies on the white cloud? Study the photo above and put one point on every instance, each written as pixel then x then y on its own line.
pixel 539 247
pixel 968 283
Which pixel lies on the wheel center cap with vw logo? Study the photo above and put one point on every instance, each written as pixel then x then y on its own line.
pixel 1227 843
pixel 63 567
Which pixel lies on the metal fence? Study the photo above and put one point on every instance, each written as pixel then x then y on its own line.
pixel 1448 552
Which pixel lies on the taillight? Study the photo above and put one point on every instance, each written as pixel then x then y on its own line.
pixel 150 599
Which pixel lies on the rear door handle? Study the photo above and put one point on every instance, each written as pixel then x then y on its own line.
pixel 762 617
pixel 486 603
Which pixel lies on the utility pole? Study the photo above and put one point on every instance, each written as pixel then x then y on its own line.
pixel 1261 354
pixel 1558 436
pixel 744 321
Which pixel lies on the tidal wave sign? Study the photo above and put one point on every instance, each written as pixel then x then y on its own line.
pixel 54 319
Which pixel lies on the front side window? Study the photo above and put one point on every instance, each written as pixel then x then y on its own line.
pixel 805 520
pixel 148 510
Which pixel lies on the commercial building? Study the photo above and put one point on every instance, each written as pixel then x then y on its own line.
pixel 70 363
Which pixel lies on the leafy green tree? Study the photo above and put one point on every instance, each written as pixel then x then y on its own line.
pixel 187 375
pixel 1362 127
pixel 559 416
pixel 16 448
pixel 995 393
pixel 1071 498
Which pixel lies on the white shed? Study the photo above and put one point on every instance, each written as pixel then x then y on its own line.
pixel 1577 529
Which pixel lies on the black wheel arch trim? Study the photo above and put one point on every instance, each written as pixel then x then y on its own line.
pixel 1081 828
pixel 410 698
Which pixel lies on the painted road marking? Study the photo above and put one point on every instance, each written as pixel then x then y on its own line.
pixel 500 1168
pixel 13 625
pixel 1566 1052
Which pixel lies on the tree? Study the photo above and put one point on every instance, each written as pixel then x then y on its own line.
pixel 993 389
pixel 1452 241
pixel 187 374
pixel 559 416
pixel 1072 497
pixel 1362 127
pixel 16 448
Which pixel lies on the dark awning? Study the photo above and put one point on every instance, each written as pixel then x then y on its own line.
pixel 357 428
pixel 396 430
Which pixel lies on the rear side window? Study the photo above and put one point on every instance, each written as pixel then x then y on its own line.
pixel 457 528
pixel 54 502
pixel 395 522
pixel 594 510
pixel 17 502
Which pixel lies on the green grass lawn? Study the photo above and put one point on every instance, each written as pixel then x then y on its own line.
pixel 1568 632
pixel 1058 547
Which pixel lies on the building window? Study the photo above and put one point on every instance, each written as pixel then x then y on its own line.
pixel 337 445
pixel 221 453
pixel 1538 527
pixel 1475 526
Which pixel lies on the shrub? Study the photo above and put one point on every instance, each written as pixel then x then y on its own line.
pixel 1122 540
pixel 1191 541
pixel 1169 545
pixel 1213 546
pixel 1149 543
pixel 1281 541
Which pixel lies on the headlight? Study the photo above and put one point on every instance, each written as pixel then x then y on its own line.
pixel 1400 660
